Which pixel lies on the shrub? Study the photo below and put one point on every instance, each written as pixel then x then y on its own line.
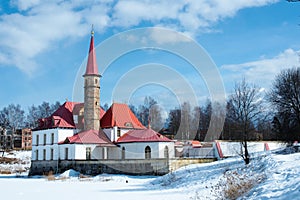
pixel 235 183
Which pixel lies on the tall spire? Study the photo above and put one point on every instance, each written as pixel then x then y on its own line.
pixel 92 90
pixel 92 68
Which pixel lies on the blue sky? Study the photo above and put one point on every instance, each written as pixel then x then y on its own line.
pixel 44 43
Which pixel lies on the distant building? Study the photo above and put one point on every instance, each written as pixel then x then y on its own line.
pixel 6 139
pixel 18 139
pixel 26 138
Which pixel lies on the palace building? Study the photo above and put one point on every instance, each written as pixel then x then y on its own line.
pixel 114 141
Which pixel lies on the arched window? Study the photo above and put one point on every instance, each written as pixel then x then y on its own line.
pixel 88 153
pixel 123 153
pixel 166 152
pixel 147 152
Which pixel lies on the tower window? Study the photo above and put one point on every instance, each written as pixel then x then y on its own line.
pixel 96 82
pixel 96 103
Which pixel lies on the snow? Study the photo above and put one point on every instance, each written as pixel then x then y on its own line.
pixel 20 166
pixel 70 173
pixel 270 175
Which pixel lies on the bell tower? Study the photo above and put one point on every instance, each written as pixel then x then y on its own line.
pixel 92 90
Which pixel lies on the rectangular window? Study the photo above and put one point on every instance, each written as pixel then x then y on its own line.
pixel 44 154
pixel 75 117
pixel 118 133
pixel 45 139
pixel 37 154
pixel 52 138
pixel 88 153
pixel 66 153
pixel 51 154
pixel 37 139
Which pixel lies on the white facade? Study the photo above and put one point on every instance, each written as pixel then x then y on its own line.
pixel 115 133
pixel 86 152
pixel 45 143
pixel 45 147
pixel 136 150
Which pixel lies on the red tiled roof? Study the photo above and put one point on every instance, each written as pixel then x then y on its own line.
pixel 92 68
pixel 196 144
pixel 63 117
pixel 89 137
pixel 145 135
pixel 121 116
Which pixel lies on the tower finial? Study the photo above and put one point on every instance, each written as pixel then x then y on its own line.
pixel 92 31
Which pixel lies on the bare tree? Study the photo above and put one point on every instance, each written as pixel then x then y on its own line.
pixel 245 107
pixel 285 96
pixel 174 121
pixel 41 111
pixel 155 118
pixel 144 110
pixel 12 117
pixel 185 125
pixel 32 117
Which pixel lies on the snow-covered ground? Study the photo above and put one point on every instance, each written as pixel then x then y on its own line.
pixel 268 176
pixel 19 163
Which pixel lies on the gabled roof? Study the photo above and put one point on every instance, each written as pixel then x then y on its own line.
pixel 63 117
pixel 145 135
pixel 92 68
pixel 88 137
pixel 121 116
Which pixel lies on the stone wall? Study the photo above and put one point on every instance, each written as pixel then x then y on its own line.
pixel 128 166
pixel 177 163
pixel 94 167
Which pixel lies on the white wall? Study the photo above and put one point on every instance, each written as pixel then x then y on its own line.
pixel 234 148
pixel 39 146
pixel 59 135
pixel 78 152
pixel 112 133
pixel 171 148
pixel 136 150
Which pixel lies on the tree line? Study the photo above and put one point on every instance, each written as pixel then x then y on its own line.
pixel 250 114
pixel 14 117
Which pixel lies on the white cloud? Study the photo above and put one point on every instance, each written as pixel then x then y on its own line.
pixel 25 35
pixel 161 36
pixel 38 25
pixel 264 70
pixel 187 16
